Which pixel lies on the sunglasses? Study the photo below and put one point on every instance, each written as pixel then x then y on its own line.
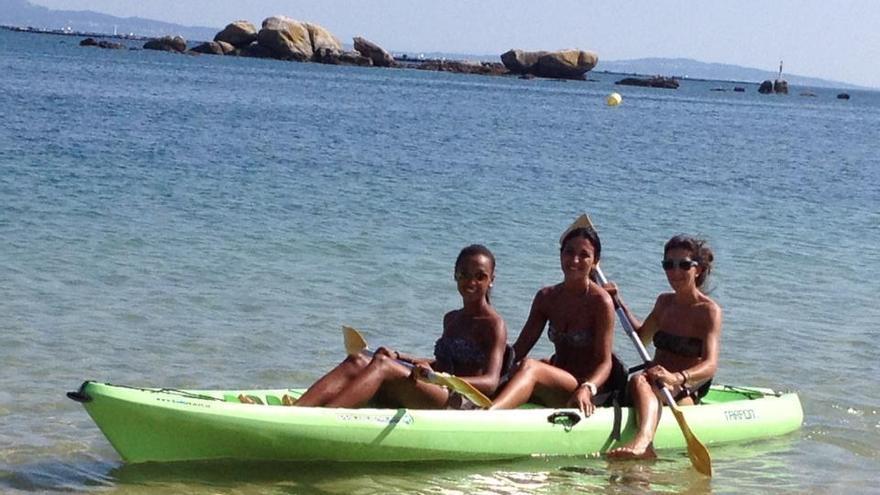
pixel 682 264
pixel 479 277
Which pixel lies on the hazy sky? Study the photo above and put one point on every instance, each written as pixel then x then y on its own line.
pixel 831 39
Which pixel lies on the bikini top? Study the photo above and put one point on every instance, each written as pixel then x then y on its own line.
pixel 459 353
pixel 676 344
pixel 574 338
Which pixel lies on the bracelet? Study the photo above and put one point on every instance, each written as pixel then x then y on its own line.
pixel 589 385
pixel 685 377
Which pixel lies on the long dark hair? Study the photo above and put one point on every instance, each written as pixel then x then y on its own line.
pixel 475 250
pixel 589 234
pixel 700 251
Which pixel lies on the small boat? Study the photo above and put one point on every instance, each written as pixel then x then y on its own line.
pixel 165 425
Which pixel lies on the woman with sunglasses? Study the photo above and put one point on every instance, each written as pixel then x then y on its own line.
pixel 580 315
pixel 685 326
pixel 472 347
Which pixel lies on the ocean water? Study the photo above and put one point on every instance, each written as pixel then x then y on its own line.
pixel 209 222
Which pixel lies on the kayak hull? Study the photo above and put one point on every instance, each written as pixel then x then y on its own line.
pixel 166 425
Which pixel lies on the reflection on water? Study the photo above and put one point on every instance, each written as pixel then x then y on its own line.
pixel 741 468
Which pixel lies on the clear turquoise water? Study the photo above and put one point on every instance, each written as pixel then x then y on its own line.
pixel 208 222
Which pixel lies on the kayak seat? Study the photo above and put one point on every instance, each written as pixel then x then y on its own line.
pixel 507 363
pixel 615 389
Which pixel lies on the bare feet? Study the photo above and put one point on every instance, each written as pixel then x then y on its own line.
pixel 631 451
pixel 249 399
pixel 288 400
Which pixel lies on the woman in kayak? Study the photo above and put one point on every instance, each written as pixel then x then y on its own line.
pixel 581 324
pixel 472 347
pixel 685 326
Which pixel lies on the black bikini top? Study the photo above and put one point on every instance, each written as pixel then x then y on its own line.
pixel 459 353
pixel 575 338
pixel 676 344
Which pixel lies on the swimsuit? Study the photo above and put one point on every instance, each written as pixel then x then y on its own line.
pixel 612 389
pixel 459 353
pixel 579 338
pixel 691 347
pixel 695 394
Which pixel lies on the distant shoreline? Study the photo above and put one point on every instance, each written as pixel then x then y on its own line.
pixel 412 62
pixel 85 34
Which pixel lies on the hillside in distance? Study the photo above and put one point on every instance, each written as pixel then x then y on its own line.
pixel 693 69
pixel 21 13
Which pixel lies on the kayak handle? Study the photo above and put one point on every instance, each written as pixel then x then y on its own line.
pixel 565 418
pixel 80 395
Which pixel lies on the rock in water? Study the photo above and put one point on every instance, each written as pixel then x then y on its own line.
pixel 285 38
pixel 376 53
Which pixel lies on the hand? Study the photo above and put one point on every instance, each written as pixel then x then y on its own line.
pixel 582 398
pixel 610 288
pixel 385 351
pixel 663 377
pixel 420 370
pixel 423 363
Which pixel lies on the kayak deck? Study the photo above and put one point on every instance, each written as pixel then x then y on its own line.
pixel 150 424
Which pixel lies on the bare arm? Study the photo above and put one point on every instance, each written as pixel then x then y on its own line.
pixel 711 343
pixel 603 344
pixel 487 382
pixel 645 329
pixel 532 329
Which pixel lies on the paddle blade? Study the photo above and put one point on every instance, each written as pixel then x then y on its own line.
pixel 697 452
pixel 354 341
pixel 463 387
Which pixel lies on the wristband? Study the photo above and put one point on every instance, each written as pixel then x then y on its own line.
pixel 589 385
pixel 685 377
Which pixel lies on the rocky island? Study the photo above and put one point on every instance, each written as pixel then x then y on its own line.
pixel 284 38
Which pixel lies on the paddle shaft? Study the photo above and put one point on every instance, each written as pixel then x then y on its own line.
pixel 430 375
pixel 355 344
pixel 634 336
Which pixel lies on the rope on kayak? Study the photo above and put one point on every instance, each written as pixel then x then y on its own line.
pixel 175 391
pixel 188 395
pixel 751 393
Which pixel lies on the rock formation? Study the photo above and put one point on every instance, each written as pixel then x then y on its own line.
pixel 561 64
pixel 238 34
pixel 464 67
pixel 565 64
pixel 167 43
pixel 519 61
pixel 214 48
pixel 651 82
pixel 322 39
pixel 374 52
pixel 286 38
pixel 101 44
pixel 766 87
pixel 335 57
pixel 780 86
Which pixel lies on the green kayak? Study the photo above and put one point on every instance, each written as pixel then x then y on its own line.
pixel 162 425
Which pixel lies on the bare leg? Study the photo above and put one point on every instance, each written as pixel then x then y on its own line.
pixel 331 384
pixel 392 379
pixel 647 405
pixel 552 385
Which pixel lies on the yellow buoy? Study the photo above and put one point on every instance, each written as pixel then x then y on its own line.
pixel 613 99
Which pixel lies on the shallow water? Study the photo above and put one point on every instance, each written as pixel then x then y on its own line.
pixel 211 223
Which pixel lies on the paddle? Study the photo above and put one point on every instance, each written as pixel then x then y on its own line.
pixel 355 344
pixel 697 452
